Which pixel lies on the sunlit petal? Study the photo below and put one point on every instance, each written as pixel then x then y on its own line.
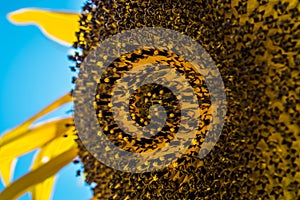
pixel 23 128
pixel 49 151
pixel 35 138
pixel 7 168
pixel 43 191
pixel 58 26
pixel 38 175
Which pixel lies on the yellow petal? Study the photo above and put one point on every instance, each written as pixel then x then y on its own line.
pixel 13 139
pixel 38 175
pixel 54 148
pixel 23 128
pixel 34 138
pixel 44 190
pixel 58 26
pixel 7 168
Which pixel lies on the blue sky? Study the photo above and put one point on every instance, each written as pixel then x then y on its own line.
pixel 34 71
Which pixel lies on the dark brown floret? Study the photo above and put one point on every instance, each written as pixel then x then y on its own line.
pixel 256 46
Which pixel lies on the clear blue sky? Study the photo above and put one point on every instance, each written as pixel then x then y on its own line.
pixel 33 73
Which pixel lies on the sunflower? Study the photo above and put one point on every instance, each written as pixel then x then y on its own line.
pixel 256 47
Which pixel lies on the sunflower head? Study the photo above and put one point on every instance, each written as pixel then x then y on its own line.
pixel 255 47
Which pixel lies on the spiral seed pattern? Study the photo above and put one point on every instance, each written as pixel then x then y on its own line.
pixel 256 47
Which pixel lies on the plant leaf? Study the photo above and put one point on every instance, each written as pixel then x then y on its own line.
pixel 58 26
pixel 38 175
